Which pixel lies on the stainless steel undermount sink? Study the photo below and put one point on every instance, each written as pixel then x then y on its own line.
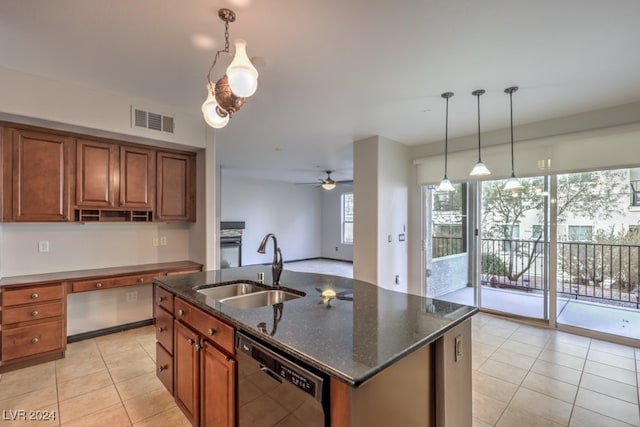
pixel 232 290
pixel 260 299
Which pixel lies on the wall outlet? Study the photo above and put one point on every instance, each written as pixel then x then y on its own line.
pixel 336 249
pixel 43 246
pixel 397 279
pixel 163 240
pixel 131 296
pixel 154 241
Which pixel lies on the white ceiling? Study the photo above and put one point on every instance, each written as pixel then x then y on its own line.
pixel 335 71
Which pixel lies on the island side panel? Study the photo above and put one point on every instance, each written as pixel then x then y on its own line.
pixel 453 377
pixel 401 395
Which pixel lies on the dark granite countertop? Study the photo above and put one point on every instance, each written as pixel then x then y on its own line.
pixel 351 340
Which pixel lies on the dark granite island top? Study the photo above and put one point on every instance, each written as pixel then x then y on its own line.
pixel 353 340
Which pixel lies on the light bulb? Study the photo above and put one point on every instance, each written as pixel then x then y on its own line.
pixel 445 185
pixel 480 169
pixel 243 76
pixel 210 112
pixel 328 185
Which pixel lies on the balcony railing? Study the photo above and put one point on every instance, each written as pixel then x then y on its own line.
pixel 604 273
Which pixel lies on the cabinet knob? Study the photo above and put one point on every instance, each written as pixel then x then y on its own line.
pixel 160 299
pixel 190 341
pixel 34 313
pixel 141 279
pixel 181 313
pixel 98 285
pixel 163 368
pixel 35 340
pixel 212 331
pixel 162 329
pixel 34 295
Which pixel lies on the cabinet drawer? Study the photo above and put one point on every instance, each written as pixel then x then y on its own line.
pixel 164 367
pixel 164 299
pixel 33 339
pixel 164 329
pixel 208 326
pixel 92 285
pixel 32 312
pixel 32 294
pixel 139 279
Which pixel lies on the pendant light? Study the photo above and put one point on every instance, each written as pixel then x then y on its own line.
pixel 445 184
pixel 513 184
pixel 479 169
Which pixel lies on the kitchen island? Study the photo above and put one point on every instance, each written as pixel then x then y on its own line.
pixel 389 355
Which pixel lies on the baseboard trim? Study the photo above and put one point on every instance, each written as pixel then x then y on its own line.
pixel 107 331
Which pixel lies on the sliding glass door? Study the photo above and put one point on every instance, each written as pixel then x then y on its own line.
pixel 514 248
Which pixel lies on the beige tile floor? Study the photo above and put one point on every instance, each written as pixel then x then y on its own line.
pixel 528 376
pixel 522 376
pixel 106 381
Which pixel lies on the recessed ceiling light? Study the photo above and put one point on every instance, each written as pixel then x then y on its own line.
pixel 203 41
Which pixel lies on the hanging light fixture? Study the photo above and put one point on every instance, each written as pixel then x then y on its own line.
pixel 479 169
pixel 227 95
pixel 513 183
pixel 445 184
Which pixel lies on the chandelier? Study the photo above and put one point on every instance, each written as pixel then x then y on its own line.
pixel 227 95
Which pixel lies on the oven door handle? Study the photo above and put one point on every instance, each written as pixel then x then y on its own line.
pixel 271 373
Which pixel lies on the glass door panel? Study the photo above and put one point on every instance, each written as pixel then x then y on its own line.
pixel 446 246
pixel 513 248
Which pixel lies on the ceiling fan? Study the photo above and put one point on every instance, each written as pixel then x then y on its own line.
pixel 329 184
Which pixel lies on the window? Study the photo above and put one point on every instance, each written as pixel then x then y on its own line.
pixel 448 221
pixel 580 233
pixel 347 218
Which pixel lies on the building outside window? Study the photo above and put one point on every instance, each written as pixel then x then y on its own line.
pixel 347 218
pixel 580 233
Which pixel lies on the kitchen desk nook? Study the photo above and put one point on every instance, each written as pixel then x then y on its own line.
pixel 319 350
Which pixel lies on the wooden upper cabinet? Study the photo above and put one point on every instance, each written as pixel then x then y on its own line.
pixel 36 176
pixel 175 187
pixel 137 170
pixel 96 173
pixel 117 176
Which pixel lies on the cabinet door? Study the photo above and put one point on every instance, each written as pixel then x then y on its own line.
pixel 187 371
pixel 136 177
pixel 217 387
pixel 96 168
pixel 175 187
pixel 40 173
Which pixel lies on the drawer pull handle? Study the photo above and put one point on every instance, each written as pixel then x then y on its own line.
pixel 181 313
pixel 212 331
pixel 35 340
pixel 34 295
pixel 98 285
pixel 162 329
pixel 163 368
pixel 34 313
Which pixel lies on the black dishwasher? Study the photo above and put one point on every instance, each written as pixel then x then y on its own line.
pixel 273 389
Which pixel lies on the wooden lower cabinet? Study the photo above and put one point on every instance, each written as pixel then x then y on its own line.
pixel 203 365
pixel 33 325
pixel 217 387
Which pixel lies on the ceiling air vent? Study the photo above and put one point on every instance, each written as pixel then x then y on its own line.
pixel 148 120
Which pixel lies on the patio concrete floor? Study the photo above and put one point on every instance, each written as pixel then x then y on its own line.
pixel 582 314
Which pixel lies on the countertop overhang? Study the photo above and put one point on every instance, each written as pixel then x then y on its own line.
pixel 351 340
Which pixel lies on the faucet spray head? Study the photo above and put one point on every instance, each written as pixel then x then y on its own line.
pixel 263 245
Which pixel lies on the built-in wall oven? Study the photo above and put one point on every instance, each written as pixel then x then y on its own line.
pixel 274 389
pixel 231 243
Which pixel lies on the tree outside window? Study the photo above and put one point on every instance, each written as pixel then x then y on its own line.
pixel 347 218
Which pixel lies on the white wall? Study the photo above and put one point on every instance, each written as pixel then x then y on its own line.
pixel 292 212
pixel 332 246
pixel 75 246
pixel 382 172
